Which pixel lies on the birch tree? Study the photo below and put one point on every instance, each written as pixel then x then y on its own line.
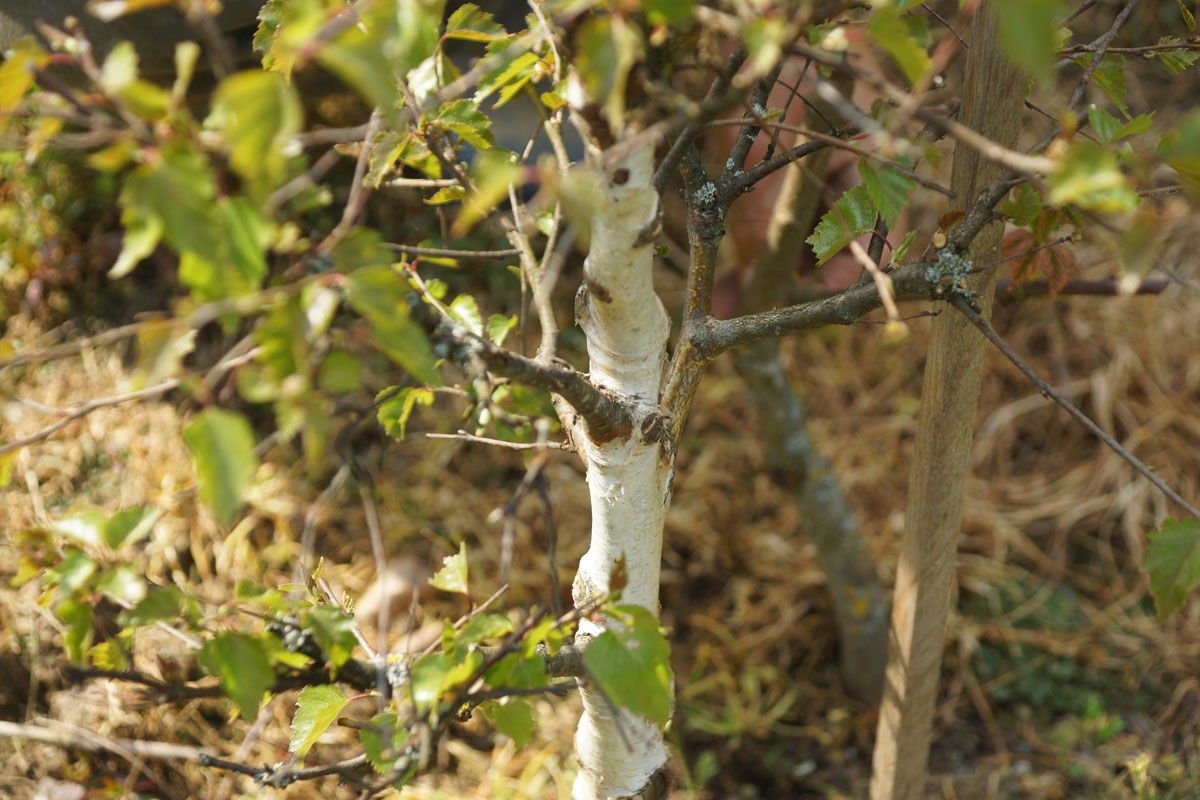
pixel 306 294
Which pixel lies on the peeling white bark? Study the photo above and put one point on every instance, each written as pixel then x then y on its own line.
pixel 628 478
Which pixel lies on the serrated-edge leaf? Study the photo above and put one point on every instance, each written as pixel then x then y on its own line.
pixel 499 326
pixel 853 215
pixel 465 310
pixel 317 708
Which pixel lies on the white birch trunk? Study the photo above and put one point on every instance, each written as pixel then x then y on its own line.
pixel 628 477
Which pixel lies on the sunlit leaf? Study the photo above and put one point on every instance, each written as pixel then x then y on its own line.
pixel 470 23
pixel 222 446
pixel 333 631
pixel 317 708
pixel 76 615
pixel 122 584
pixel 129 526
pixel 465 310
pixel 452 577
pixel 499 326
pixel 394 411
pixel 109 10
pixel 1172 562
pixel 464 118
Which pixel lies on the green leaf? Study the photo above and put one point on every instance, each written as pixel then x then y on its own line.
pixel 122 584
pixel 1110 129
pixel 110 655
pixel 1089 177
pixel 160 603
pixel 1172 562
pixel 383 739
pixel 340 373
pixel 120 68
pixel 889 190
pixel 668 12
pixel 452 577
pixel 333 631
pixel 428 674
pixel 447 194
pixel 464 118
pixel 1180 149
pixel 494 172
pixel 1027 33
pixel 379 294
pixel 482 627
pixel 632 665
pixel 1025 207
pixel 258 112
pixel 471 24
pixel 518 671
pixel 242 663
pixel 499 326
pixel 177 188
pixel 85 527
pixel 393 412
pixel 236 263
pixel 852 216
pixel 73 572
pixel 1177 59
pixel 222 446
pixel 317 708
pixel 513 717
pixel 77 616
pixel 128 526
pixel 905 37
pixel 465 310
pixel 1109 77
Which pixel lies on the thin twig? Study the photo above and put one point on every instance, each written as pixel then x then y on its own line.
pixel 1048 391
pixel 947 25
pixel 469 437
pixel 843 144
pixel 1098 54
pixel 441 252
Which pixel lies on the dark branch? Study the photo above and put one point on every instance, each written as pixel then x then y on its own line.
pixel 606 417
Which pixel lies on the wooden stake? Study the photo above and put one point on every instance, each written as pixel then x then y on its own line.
pixel 924 579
